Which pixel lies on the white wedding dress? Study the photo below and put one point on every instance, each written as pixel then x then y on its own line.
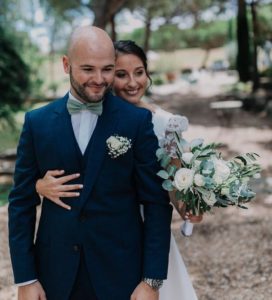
pixel 178 285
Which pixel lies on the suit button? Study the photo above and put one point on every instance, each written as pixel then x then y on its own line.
pixel 76 248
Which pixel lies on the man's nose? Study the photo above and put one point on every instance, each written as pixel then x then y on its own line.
pixel 98 78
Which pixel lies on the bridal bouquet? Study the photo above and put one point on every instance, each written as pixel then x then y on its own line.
pixel 201 178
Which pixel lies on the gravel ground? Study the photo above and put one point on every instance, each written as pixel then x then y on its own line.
pixel 229 255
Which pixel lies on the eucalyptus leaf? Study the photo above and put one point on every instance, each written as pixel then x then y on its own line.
pixel 167 185
pixel 165 161
pixel 195 156
pixel 171 170
pixel 206 152
pixel 163 174
pixel 196 143
pixel 160 153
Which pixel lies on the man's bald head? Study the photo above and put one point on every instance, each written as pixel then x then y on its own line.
pixel 90 37
pixel 90 63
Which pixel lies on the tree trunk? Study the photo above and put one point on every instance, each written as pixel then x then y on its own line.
pixel 147 31
pixel 113 28
pixel 205 59
pixel 104 10
pixel 243 56
pixel 256 79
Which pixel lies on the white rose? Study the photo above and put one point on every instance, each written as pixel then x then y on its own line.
pixel 183 179
pixel 209 198
pixel 222 171
pixel 198 180
pixel 187 157
pixel 114 143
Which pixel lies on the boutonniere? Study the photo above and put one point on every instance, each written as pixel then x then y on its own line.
pixel 118 145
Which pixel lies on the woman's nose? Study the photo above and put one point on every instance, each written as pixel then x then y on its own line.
pixel 132 82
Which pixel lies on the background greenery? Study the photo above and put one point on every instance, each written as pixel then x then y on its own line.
pixel 28 71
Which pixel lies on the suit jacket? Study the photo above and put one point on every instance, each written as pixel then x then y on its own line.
pixel 105 222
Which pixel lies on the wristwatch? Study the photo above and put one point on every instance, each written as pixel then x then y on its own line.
pixel 155 284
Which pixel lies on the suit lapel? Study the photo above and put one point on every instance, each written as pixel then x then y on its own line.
pixel 66 141
pixel 106 126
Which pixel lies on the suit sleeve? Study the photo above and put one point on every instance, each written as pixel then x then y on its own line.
pixel 157 210
pixel 23 200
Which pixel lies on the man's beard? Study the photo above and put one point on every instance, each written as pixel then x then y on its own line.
pixel 81 92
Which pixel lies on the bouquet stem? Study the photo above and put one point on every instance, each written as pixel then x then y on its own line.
pixel 187 228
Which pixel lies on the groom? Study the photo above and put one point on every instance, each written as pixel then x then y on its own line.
pixel 100 249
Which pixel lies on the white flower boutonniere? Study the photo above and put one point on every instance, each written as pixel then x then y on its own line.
pixel 118 145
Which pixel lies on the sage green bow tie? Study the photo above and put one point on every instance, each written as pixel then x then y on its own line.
pixel 75 107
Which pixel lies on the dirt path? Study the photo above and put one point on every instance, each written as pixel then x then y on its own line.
pixel 229 255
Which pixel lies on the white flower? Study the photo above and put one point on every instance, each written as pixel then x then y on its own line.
pixel 177 123
pixel 225 191
pixel 257 176
pixel 209 198
pixel 183 179
pixel 187 157
pixel 222 171
pixel 114 143
pixel 199 180
pixel 118 145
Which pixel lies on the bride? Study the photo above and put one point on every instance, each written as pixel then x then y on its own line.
pixel 130 83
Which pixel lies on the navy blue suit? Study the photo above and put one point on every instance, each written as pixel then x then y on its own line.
pixel 105 222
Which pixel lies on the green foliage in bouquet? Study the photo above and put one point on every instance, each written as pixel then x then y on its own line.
pixel 203 178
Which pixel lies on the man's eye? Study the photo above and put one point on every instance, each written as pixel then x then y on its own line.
pixel 108 70
pixel 87 69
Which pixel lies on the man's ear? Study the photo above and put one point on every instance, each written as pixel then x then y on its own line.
pixel 66 64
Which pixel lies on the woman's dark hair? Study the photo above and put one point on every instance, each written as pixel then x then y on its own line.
pixel 130 47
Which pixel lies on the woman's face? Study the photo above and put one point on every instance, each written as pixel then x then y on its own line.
pixel 130 79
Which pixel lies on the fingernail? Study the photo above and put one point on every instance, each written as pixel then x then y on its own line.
pixel 81 186
pixel 77 175
pixel 77 194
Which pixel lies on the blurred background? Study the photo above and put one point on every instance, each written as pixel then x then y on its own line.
pixel 210 61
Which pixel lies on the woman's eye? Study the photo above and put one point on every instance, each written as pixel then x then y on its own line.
pixel 120 75
pixel 139 73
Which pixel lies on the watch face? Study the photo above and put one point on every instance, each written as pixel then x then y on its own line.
pixel 154 283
